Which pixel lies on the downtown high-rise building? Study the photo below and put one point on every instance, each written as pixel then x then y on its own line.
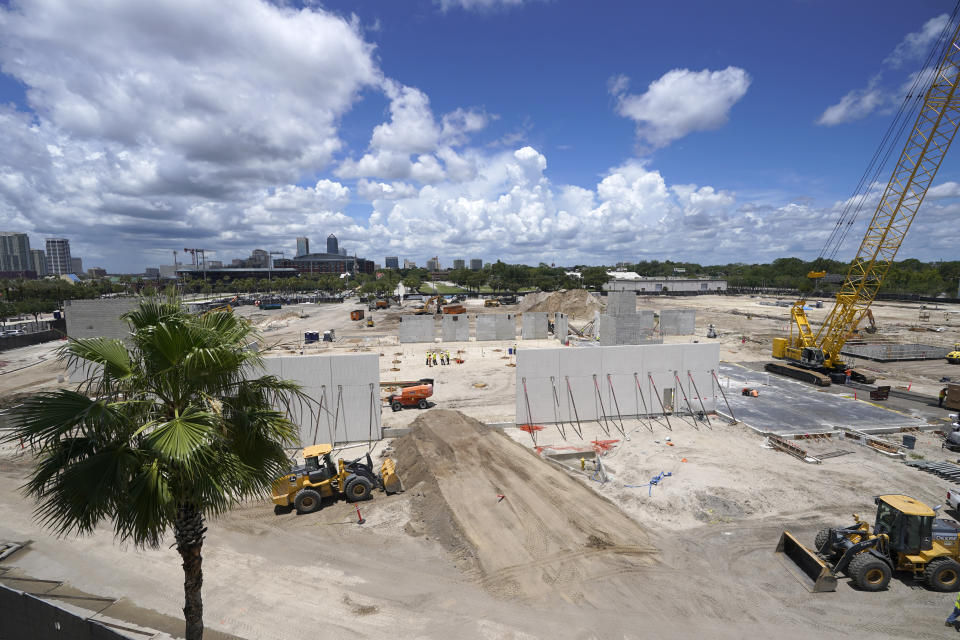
pixel 433 264
pixel 58 257
pixel 476 264
pixel 391 262
pixel 303 246
pixel 76 265
pixel 15 252
pixel 459 263
pixel 332 246
pixel 38 262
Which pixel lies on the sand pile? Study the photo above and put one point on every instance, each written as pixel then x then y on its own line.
pixel 579 304
pixel 549 536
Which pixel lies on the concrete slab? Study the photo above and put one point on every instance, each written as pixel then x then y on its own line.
pixel 534 325
pixel 677 322
pixel 788 407
pixel 455 328
pixel 414 328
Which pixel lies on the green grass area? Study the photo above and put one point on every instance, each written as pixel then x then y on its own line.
pixel 427 289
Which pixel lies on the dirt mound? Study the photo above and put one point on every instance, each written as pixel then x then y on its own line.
pixel 548 535
pixel 579 304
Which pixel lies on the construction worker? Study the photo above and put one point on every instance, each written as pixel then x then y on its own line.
pixel 943 396
pixel 428 358
pixel 952 618
pixel 446 354
pixel 434 359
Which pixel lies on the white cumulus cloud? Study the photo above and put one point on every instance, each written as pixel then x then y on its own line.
pixel 681 102
pixel 915 45
pixel 855 105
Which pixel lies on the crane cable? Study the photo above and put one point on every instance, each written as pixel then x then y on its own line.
pixel 905 115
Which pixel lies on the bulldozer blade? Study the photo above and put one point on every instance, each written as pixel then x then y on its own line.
pixel 388 474
pixel 805 565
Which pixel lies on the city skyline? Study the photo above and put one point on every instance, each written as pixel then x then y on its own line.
pixel 721 141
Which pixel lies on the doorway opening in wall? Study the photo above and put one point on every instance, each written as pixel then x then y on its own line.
pixel 668 399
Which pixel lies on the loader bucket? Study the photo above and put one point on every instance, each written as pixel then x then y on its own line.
pixel 388 473
pixel 805 565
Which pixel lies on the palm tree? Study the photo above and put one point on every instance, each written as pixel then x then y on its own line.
pixel 164 432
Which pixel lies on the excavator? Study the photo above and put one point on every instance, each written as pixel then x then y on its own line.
pixel 815 356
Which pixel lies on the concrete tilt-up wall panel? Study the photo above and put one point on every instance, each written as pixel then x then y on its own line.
pixel 623 373
pixel 677 322
pixel 414 328
pixel 455 327
pixel 620 303
pixel 534 325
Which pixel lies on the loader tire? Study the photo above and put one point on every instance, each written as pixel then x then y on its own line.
pixel 396 406
pixel 819 541
pixel 307 501
pixel 359 489
pixel 423 404
pixel 869 572
pixel 943 574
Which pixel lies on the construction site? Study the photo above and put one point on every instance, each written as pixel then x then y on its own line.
pixel 567 464
pixel 555 482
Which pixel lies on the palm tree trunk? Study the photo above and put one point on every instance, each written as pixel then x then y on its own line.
pixel 189 531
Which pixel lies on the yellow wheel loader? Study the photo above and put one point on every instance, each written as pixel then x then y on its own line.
pixel 906 536
pixel 305 487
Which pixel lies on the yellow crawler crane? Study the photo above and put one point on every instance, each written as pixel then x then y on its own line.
pixel 815 357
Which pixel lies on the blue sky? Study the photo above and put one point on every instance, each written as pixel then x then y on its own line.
pixel 529 131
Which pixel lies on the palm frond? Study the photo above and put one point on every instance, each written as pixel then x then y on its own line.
pixel 181 437
pixel 53 414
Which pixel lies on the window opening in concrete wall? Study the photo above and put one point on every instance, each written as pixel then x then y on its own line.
pixel 658 287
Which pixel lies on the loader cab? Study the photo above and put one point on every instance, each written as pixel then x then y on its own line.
pixel 908 523
pixel 317 463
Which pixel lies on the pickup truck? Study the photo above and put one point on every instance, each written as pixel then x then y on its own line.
pixel 953 498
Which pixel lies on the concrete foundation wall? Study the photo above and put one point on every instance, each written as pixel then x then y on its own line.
pixel 455 328
pixel 534 325
pixel 677 322
pixel 415 328
pixel 629 380
pixel 561 327
pixel 496 326
pixel 347 385
pixel 98 318
pixel 621 303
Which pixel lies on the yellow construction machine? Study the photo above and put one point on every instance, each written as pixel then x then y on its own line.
pixel 813 355
pixel 906 536
pixel 305 487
